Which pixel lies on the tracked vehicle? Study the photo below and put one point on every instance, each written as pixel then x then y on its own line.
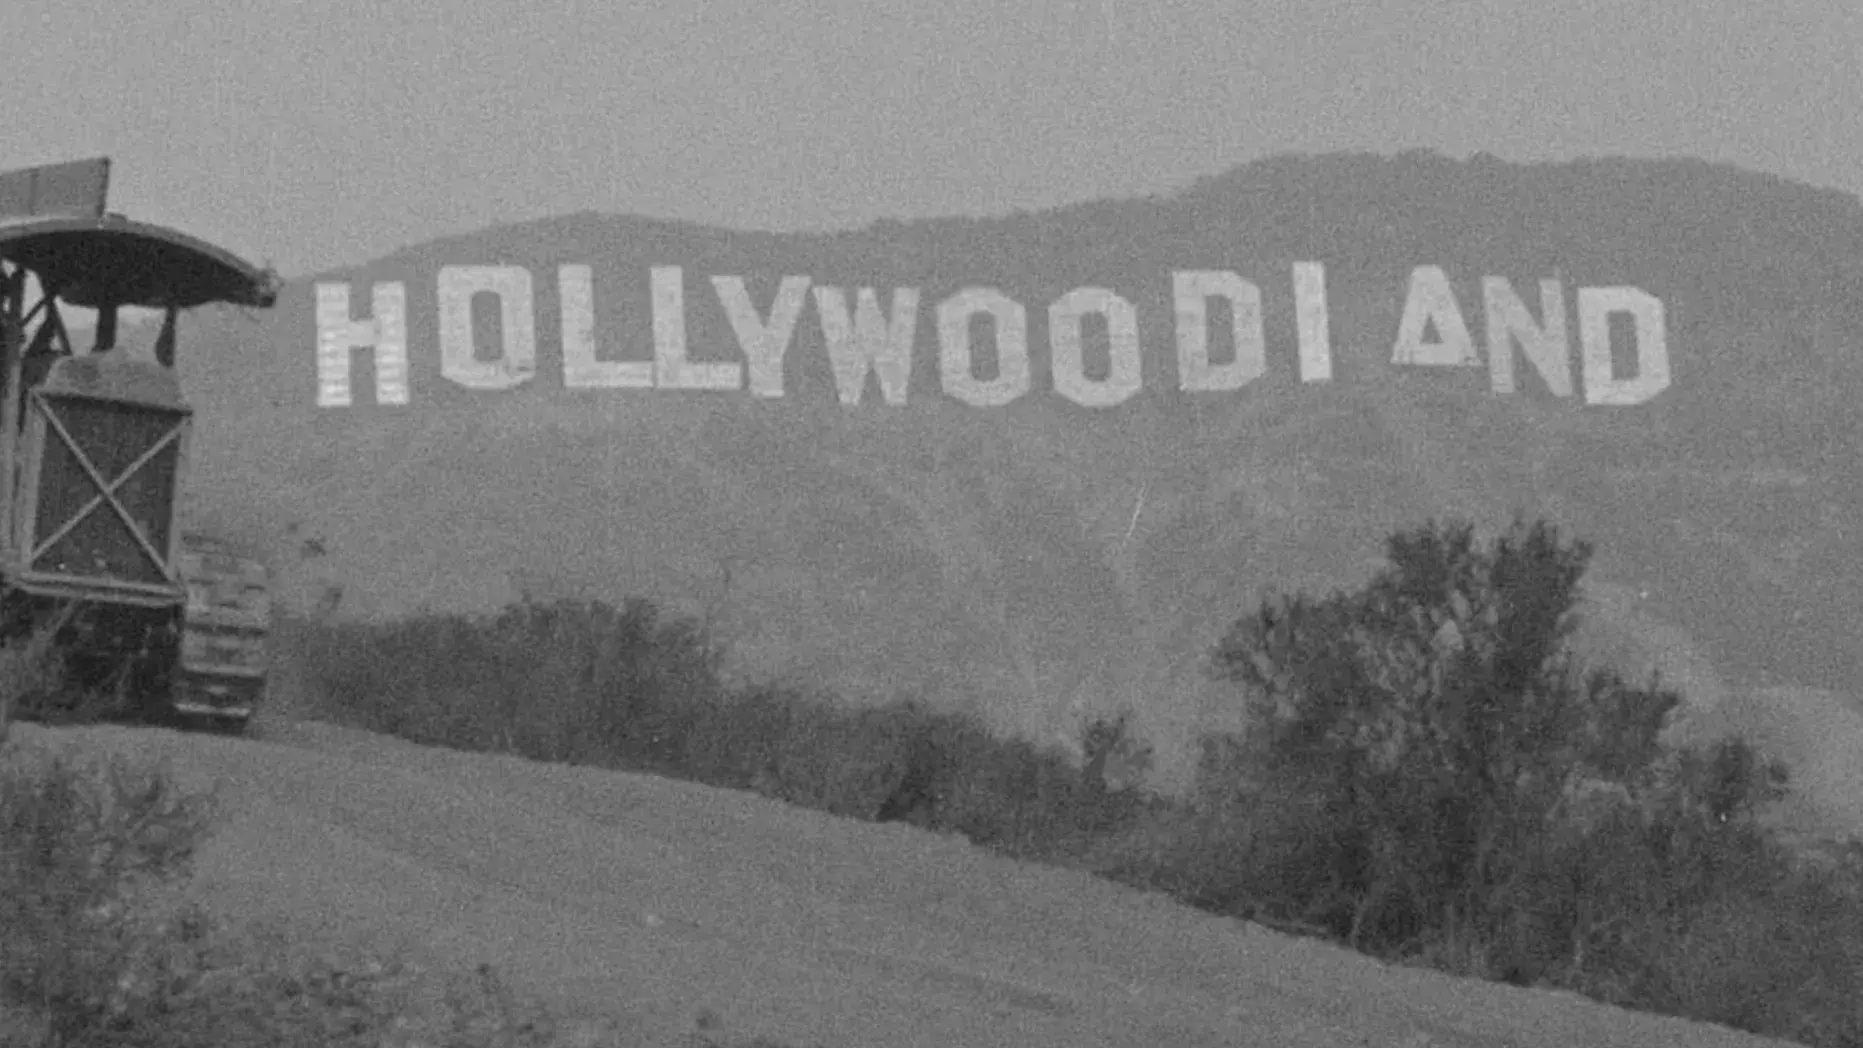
pixel 148 623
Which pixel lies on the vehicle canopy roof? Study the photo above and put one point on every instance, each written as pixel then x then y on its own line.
pixel 95 261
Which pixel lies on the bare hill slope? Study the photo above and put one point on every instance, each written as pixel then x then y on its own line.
pixel 650 899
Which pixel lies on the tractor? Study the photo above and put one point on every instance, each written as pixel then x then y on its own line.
pixel 145 622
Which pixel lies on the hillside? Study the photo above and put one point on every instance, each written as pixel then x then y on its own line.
pixel 1040 556
pixel 646 900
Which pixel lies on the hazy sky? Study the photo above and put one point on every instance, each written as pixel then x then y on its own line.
pixel 326 132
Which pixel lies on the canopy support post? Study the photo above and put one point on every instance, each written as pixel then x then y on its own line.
pixel 106 329
pixel 12 347
pixel 165 342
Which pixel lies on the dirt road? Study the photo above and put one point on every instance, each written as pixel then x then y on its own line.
pixel 651 899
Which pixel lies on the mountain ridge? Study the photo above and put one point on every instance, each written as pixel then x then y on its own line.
pixel 1042 558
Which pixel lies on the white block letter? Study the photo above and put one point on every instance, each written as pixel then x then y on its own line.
pixel 954 363
pixel 1595 306
pixel 763 344
pixel 1431 299
pixel 1543 344
pixel 1190 293
pixel 517 358
pixel 1313 322
pixel 575 291
pixel 876 345
pixel 671 368
pixel 1070 376
pixel 337 334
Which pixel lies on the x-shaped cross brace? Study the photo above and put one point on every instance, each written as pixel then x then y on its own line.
pixel 106 491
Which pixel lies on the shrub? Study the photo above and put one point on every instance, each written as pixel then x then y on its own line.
pixel 569 680
pixel 37 687
pixel 1432 725
pixel 79 844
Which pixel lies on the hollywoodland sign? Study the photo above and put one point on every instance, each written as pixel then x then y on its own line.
pixel 868 340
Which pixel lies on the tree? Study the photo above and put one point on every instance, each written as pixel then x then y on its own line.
pixel 1437 719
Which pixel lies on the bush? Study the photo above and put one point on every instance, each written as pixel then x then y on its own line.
pixel 1432 727
pixel 79 846
pixel 575 681
pixel 38 688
